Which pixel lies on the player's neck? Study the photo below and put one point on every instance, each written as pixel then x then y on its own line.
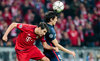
pixel 50 23
pixel 36 31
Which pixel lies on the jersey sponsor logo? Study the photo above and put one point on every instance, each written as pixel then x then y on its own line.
pixel 28 39
pixel 20 26
pixel 51 35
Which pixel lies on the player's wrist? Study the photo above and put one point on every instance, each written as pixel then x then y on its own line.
pixel 53 48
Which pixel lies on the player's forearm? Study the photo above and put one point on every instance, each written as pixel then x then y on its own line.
pixel 49 47
pixel 46 46
pixel 64 49
pixel 13 25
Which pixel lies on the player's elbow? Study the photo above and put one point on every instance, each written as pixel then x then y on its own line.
pixel 44 46
pixel 14 24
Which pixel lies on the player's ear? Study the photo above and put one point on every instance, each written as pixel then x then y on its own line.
pixel 39 28
pixel 51 19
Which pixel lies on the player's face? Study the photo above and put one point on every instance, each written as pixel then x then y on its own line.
pixel 42 32
pixel 54 20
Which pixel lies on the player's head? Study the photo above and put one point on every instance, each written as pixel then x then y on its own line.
pixel 42 29
pixel 51 17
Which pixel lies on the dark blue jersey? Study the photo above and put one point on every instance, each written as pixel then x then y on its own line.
pixel 49 37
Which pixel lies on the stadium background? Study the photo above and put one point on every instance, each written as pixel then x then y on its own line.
pixel 81 16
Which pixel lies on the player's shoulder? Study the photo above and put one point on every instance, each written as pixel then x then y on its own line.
pixel 34 25
pixel 31 25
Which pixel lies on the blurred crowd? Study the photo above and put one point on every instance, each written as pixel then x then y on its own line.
pixel 78 24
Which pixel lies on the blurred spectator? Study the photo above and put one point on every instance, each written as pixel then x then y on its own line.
pixel 68 11
pixel 1 17
pixel 26 7
pixel 81 35
pixel 77 21
pixel 89 35
pixel 14 9
pixel 49 5
pixel 29 17
pixel 7 15
pixel 63 22
pixel 83 21
pixel 90 57
pixel 69 22
pixel 97 30
pixel 38 5
pixel 73 35
pixel 3 6
pixel 75 5
pixel 90 19
pixel 65 41
pixel 81 57
pixel 42 14
pixel 83 11
pixel 32 3
pixel 98 4
pixel 90 4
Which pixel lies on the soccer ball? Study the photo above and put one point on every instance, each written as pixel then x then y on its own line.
pixel 58 6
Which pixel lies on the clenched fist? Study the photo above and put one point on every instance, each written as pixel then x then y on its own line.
pixel 5 38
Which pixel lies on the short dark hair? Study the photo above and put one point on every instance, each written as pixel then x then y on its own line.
pixel 43 25
pixel 49 15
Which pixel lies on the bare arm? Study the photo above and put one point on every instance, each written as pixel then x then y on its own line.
pixel 13 25
pixel 46 46
pixel 55 42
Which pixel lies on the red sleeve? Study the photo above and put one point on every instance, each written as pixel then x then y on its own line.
pixel 43 39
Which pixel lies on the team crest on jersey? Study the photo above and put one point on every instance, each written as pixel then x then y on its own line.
pixel 51 35
pixel 55 35
pixel 20 26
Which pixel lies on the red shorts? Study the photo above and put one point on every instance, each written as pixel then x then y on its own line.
pixel 32 53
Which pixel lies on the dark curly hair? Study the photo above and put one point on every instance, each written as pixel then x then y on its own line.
pixel 50 15
pixel 43 25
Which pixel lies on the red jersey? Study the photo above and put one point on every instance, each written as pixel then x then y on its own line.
pixel 26 37
pixel 73 35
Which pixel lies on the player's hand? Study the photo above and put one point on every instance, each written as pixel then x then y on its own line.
pixel 5 38
pixel 73 53
pixel 56 49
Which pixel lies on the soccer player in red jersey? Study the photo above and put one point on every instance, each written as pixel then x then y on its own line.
pixel 25 48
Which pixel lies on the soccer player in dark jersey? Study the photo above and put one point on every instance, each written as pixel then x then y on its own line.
pixel 25 48
pixel 51 19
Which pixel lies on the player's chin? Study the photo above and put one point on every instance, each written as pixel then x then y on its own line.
pixel 41 35
pixel 54 23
